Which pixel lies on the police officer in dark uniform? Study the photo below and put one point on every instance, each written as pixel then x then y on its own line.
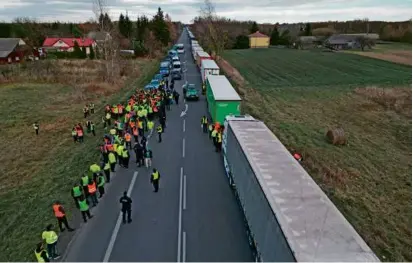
pixel 126 202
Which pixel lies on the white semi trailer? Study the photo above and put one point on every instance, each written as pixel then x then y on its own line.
pixel 288 216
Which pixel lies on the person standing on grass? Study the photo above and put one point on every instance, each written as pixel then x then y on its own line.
pixel 40 253
pixel 36 127
pixel 51 238
pixel 79 135
pixel 60 215
pixel 92 107
pixel 92 128
pixel 76 193
pixel 74 135
pixel 84 208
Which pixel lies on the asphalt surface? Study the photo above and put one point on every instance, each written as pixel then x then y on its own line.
pixel 193 217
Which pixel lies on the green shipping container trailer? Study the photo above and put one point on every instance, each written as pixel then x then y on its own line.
pixel 222 98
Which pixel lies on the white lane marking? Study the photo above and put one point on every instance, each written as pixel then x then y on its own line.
pixel 184 126
pixel 183 246
pixel 184 201
pixel 180 216
pixel 183 147
pixel 117 226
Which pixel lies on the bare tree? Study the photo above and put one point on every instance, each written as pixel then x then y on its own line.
pixel 216 36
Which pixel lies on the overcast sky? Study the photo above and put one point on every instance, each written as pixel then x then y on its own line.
pixel 262 11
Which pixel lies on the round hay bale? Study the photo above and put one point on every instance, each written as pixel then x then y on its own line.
pixel 336 136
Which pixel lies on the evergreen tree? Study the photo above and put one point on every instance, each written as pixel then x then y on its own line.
pixel 160 28
pixel 5 30
pixel 275 37
pixel 242 42
pixel 107 22
pixel 128 27
pixel 92 52
pixel 254 27
pixel 121 25
pixel 77 52
pixel 142 25
pixel 307 30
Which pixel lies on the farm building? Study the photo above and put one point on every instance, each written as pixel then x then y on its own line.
pixel 68 44
pixel 12 50
pixel 348 41
pixel 259 40
pixel 100 37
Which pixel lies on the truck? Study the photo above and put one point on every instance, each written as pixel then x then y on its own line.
pixel 194 50
pixel 208 67
pixel 287 216
pixel 222 99
pixel 201 55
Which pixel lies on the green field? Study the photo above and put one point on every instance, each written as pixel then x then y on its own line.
pixel 37 170
pixel 301 94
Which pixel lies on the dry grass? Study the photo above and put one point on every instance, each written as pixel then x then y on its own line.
pixel 399 53
pixel 370 178
pixel 40 169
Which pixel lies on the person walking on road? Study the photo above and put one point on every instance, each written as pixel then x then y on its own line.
pixel 159 130
pixel 210 129
pixel 106 170
pixel 101 185
pixel 125 157
pixel 139 154
pixel 176 97
pixel 148 157
pixel 126 202
pixel 36 127
pixel 76 193
pixel 155 177
pixel 112 161
pixel 40 253
pixel 60 215
pixel 204 123
pixel 51 238
pixel 84 208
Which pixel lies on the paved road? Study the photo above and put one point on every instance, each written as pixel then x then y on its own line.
pixel 193 217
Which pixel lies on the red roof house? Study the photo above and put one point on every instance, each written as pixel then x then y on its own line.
pixel 259 40
pixel 67 44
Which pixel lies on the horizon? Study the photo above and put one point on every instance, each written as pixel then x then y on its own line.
pixel 263 12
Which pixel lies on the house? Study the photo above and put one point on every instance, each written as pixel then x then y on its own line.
pixel 12 50
pixel 259 40
pixel 68 44
pixel 348 41
pixel 100 37
pixel 308 42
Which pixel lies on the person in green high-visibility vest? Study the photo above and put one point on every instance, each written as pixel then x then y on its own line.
pixel 112 161
pixel 51 238
pixel 76 193
pixel 41 254
pixel 84 208
pixel 106 169
pixel 84 182
pixel 101 185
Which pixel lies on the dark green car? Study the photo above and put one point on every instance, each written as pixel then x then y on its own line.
pixel 191 93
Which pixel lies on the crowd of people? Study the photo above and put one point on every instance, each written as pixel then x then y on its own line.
pixel 127 127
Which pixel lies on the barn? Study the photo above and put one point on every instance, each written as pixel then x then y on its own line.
pixel 259 40
pixel 12 50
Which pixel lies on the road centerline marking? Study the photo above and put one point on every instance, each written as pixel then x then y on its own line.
pixel 184 191
pixel 180 215
pixel 183 147
pixel 184 246
pixel 183 126
pixel 118 222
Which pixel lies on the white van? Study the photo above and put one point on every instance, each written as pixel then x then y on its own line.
pixel 176 66
pixel 180 48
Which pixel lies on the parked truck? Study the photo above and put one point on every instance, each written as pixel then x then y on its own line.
pixel 194 50
pixel 222 99
pixel 288 216
pixel 208 67
pixel 201 55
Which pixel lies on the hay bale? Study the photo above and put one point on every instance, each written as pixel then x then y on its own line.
pixel 336 136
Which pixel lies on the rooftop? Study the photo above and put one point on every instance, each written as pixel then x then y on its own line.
pixel 7 45
pixel 209 63
pixel 257 34
pixel 314 228
pixel 222 88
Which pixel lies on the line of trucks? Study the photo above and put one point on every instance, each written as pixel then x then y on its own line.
pixel 287 216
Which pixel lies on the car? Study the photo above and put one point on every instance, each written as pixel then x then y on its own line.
pixel 176 75
pixel 181 48
pixel 175 59
pixel 158 77
pixel 154 84
pixel 172 53
pixel 164 68
pixel 190 91
pixel 177 66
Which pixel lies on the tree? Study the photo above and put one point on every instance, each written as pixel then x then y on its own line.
pixel 307 30
pixel 275 37
pixel 77 52
pixel 285 38
pixel 160 28
pixel 92 52
pixel 122 25
pixel 364 41
pixel 254 27
pixel 142 25
pixel 242 42
pixel 5 30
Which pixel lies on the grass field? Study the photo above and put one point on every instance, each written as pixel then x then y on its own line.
pixel 301 94
pixel 36 170
pixel 394 52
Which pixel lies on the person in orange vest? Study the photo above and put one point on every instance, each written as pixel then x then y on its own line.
pixel 60 215
pixel 135 133
pixel 128 139
pixel 91 187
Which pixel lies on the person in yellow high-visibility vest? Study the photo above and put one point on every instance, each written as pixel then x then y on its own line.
pixel 41 254
pixel 51 238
